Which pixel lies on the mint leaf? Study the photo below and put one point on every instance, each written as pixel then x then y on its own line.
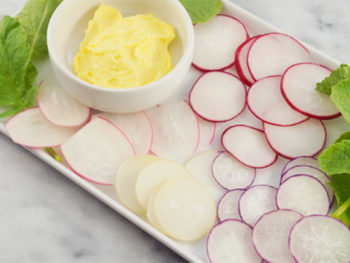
pixel 343 72
pixel 341 97
pixel 202 11
pixel 343 137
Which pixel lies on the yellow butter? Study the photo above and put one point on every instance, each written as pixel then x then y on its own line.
pixel 125 52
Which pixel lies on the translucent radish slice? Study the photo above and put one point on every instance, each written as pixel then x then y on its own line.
pixel 230 241
pixel 59 107
pixel 271 234
pixel 271 54
pixel 303 193
pixel 31 129
pixel 266 102
pixel 218 96
pixel 249 146
pixel 230 173
pixel 228 205
pixel 302 160
pixel 175 130
pixel 320 239
pixel 96 151
pixel 222 31
pixel 256 201
pixel 298 87
pixel 207 132
pixel 241 62
pixel 151 216
pixel 304 139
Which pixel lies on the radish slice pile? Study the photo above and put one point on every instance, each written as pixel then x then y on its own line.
pixel 241 62
pixel 228 205
pixel 302 160
pixel 206 132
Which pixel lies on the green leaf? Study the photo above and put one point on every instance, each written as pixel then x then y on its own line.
pixel 343 137
pixel 202 11
pixel 341 97
pixel 343 72
pixel 336 159
pixel 34 18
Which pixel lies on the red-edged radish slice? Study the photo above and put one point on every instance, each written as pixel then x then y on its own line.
pixel 230 173
pixel 218 96
pixel 298 88
pixel 256 201
pixel 266 102
pixel 230 241
pixel 175 130
pixel 320 239
pixel 136 126
pixel 304 139
pixel 241 62
pixel 31 129
pixel 206 132
pixel 303 193
pixel 302 160
pixel 271 54
pixel 59 107
pixel 96 151
pixel 217 41
pixel 249 146
pixel 228 205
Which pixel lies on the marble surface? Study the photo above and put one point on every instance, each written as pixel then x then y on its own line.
pixel 44 217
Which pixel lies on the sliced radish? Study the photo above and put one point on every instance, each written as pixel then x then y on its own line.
pixel 31 129
pixel 230 241
pixel 320 239
pixel 175 130
pixel 218 96
pixel 207 132
pixel 302 160
pixel 136 126
pixel 271 54
pixel 256 201
pixel 241 62
pixel 305 194
pixel 298 87
pixel 249 146
pixel 151 216
pixel 96 151
pixel 230 173
pixel 217 41
pixel 304 139
pixel 266 102
pixel 271 234
pixel 228 205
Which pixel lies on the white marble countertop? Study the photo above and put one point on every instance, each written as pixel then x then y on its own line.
pixel 44 217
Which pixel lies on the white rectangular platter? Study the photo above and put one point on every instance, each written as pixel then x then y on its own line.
pixel 195 251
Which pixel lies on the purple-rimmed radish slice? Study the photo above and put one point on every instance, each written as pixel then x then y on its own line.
pixel 302 160
pixel 271 234
pixel 271 54
pixel 256 201
pixel 218 96
pixel 227 207
pixel 320 239
pixel 96 151
pixel 304 139
pixel 266 102
pixel 298 88
pixel 249 146
pixel 241 62
pixel 230 173
pixel 217 41
pixel 207 131
pixel 303 193
pixel 230 241
pixel 31 129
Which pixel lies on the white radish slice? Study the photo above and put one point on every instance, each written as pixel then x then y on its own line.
pixel 31 129
pixel 200 168
pixel 304 194
pixel 302 160
pixel 184 209
pixel 241 62
pixel 320 239
pixel 230 241
pixel 153 175
pixel 217 41
pixel 266 102
pixel 96 151
pixel 175 130
pixel 256 201
pixel 298 87
pixel 151 216
pixel 207 132
pixel 228 205
pixel 230 173
pixel 271 54
pixel 304 139
pixel 218 96
pixel 136 126
pixel 59 107
pixel 125 180
pixel 249 146
pixel 271 234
